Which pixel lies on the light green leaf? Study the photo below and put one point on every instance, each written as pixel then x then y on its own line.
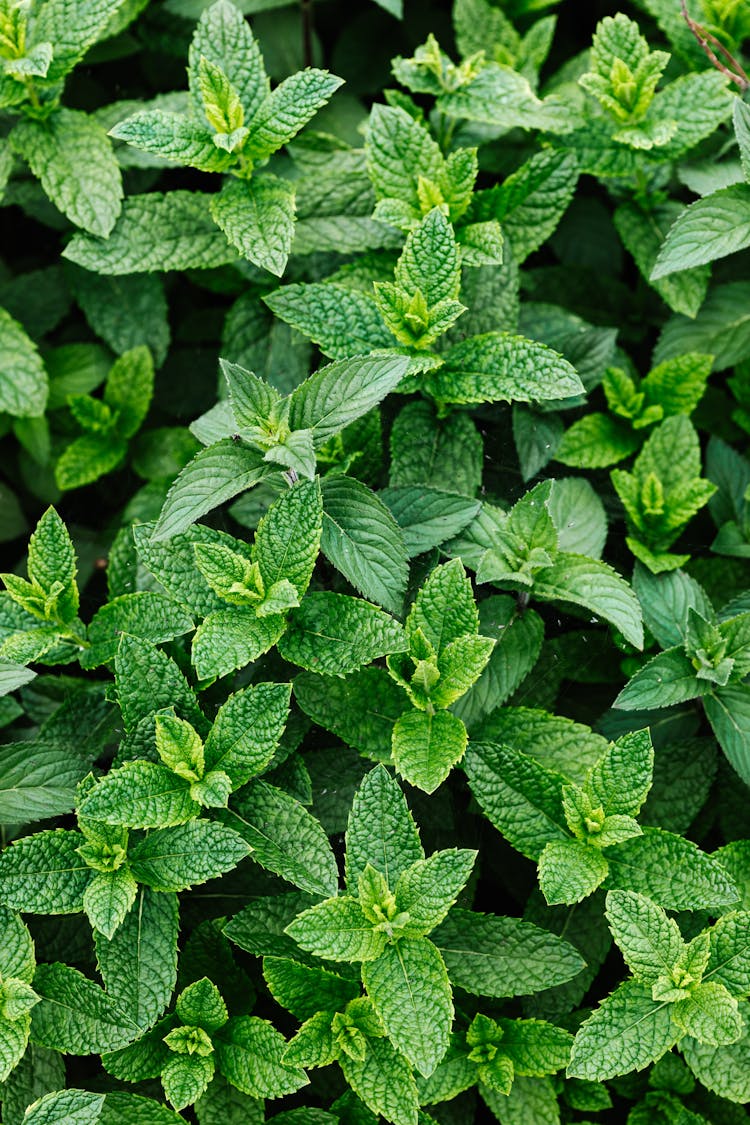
pixel 595 586
pixel 428 889
pixel 381 831
pixel 108 898
pixel 287 540
pixel 246 731
pixel 70 154
pixel 223 37
pixel 141 795
pixel 427 746
pixel 342 391
pixel 384 1081
pixel 232 638
pixel 43 873
pixel 174 859
pixel 710 1015
pixel 77 1107
pixel 723 1070
pixel 75 1015
pixel 570 870
pixel 248 1053
pixel 649 941
pixel 671 870
pixel 146 614
pixel 257 217
pixel 72 26
pixel 518 795
pixel 338 931
pixel 408 984
pixel 287 109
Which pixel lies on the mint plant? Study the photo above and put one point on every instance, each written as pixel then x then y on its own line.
pixel 374 408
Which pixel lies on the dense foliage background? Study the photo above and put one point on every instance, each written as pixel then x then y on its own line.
pixel 374 647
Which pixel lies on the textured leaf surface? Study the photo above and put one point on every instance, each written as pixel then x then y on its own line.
pixel 335 634
pixel 627 1031
pixel 44 874
pixel 362 540
pixel 257 216
pixel 492 956
pixel 73 158
pixel 139 963
pixel 174 859
pixel 156 232
pixel 670 870
pixel 23 381
pixel 247 730
pixel 75 1015
pixel 284 837
pixel 409 987
pixel 501 367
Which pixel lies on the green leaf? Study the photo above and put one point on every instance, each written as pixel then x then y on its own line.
pixel 710 1015
pixel 487 955
pixel 499 366
pixel 75 1015
pixel 650 942
pixel 728 711
pixel 23 382
pixel 248 1053
pixel 399 150
pixel 287 539
pixel 145 614
pixel 721 328
pixel 381 831
pixel 408 984
pixel 72 26
pixel 443 453
pixel 627 1031
pixel 621 778
pixel 361 709
pixel 141 795
pixel 223 37
pixel 215 475
pixel 304 989
pixel 43 873
pixel 173 136
pixel 427 746
pixel 284 837
pixel 595 441
pixel 185 1078
pixel 342 391
pixel 570 870
pixel 335 634
pixel 363 541
pixel 138 964
pixel 156 232
pixel 17 950
pixel 428 516
pixel 666 679
pixel 38 781
pixel 232 638
pixel 174 859
pixel 338 931
pixel 70 154
pixel 670 870
pixel 340 320
pixel 643 232
pixel 710 228
pixel 444 608
pixel 79 1107
pixel 428 889
pixel 723 1070
pixel 246 731
pixel 595 586
pixel 257 217
pixel 146 680
pixel 287 109
pixel 384 1081
pixel 108 898
pixel 518 795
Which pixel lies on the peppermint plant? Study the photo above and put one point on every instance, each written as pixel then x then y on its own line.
pixel 677 990
pixel 583 836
